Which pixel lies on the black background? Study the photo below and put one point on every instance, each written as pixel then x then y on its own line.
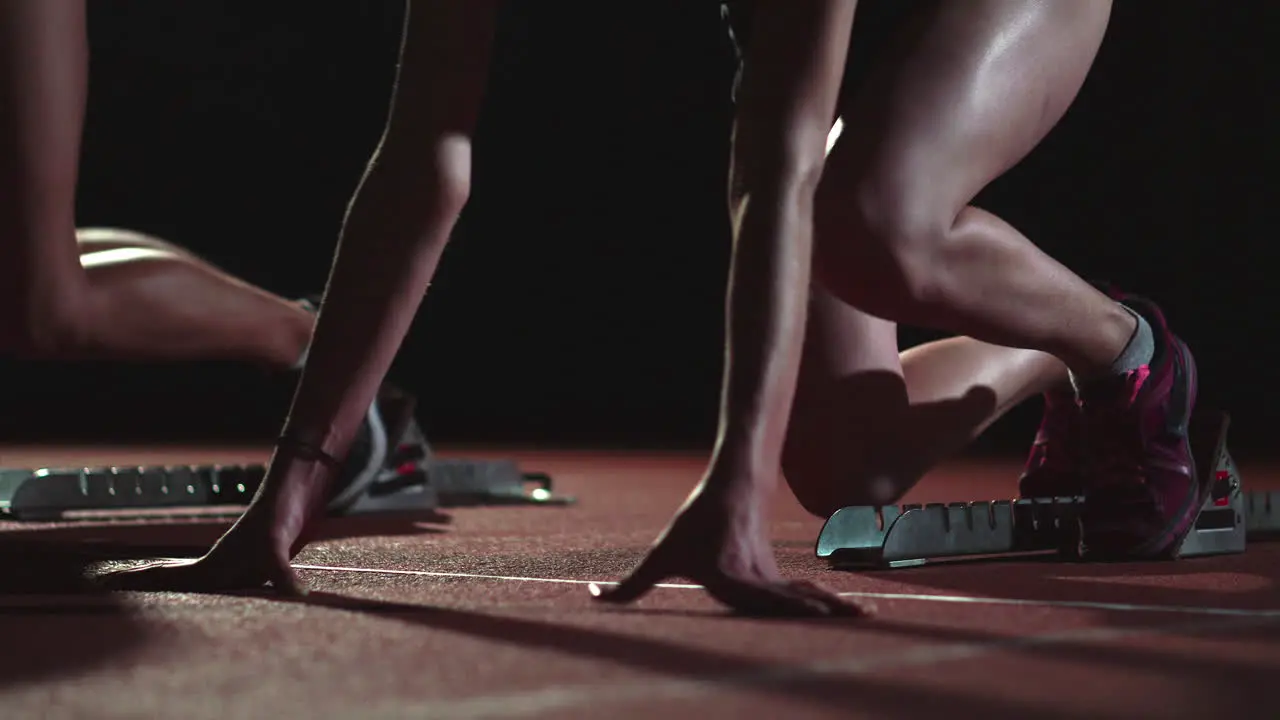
pixel 581 301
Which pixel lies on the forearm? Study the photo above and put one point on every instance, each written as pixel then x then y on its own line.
pixel 767 300
pixel 395 233
pixel 43 59
pixel 43 67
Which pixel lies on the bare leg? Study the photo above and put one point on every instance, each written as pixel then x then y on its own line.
pixel 867 423
pixel 965 95
pixel 969 89
pixel 396 230
pixel 144 304
pixel 210 315
pixel 97 239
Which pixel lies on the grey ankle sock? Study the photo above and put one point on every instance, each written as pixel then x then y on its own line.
pixel 1140 350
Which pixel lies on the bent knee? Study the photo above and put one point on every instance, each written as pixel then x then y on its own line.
pixel 884 235
pixel 822 491
pixel 825 480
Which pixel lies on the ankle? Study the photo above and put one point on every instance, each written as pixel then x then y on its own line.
pixel 1124 343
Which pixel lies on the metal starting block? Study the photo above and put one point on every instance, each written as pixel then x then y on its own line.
pixel 380 476
pixel 911 535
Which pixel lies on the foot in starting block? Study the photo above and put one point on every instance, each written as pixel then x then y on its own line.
pixel 889 536
pixel 381 475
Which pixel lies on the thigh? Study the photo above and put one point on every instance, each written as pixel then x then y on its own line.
pixel 961 93
pixel 99 239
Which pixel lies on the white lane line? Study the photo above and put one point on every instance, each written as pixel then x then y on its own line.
pixel 475 576
pixel 959 599
pixel 563 698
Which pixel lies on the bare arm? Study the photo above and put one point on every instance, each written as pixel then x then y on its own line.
pixel 43 68
pixel 396 230
pixel 720 538
pixel 788 98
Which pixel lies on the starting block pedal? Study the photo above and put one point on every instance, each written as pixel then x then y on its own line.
pixel 911 535
pixel 391 468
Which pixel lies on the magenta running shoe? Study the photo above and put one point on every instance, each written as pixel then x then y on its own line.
pixel 1142 493
pixel 1053 466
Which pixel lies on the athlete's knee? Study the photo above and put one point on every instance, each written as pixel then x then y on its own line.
pixel 862 465
pixel 41 323
pixel 885 236
pixel 822 489
pixel 814 484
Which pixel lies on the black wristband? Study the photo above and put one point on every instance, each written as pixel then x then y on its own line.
pixel 304 450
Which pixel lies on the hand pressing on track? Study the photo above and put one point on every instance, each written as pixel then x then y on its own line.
pixel 723 545
pixel 256 551
pixel 222 569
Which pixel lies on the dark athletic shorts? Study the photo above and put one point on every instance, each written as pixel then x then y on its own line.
pixel 875 24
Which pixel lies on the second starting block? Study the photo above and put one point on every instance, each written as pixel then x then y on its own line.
pixel 390 468
pixel 912 535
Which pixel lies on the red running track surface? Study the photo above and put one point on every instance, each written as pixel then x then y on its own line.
pixel 487 616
